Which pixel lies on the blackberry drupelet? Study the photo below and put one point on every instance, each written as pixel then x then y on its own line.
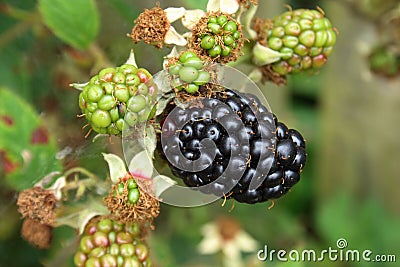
pixel 230 145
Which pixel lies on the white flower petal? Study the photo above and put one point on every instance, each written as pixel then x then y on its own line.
pixel 231 250
pixel 141 165
pixel 211 244
pixel 245 242
pixel 174 13
pixel 232 256
pixel 173 37
pixel 58 186
pixel 191 17
pixel 213 5
pixel 229 6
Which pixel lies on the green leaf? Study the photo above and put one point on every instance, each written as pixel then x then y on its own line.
pixel 76 22
pixel 27 149
pixel 78 216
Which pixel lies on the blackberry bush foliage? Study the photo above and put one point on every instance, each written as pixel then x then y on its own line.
pixel 215 133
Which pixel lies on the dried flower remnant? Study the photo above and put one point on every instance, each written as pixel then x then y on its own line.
pixel 144 209
pixel 153 26
pixel 37 204
pixel 37 234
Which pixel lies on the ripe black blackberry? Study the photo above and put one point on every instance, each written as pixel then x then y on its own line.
pixel 230 145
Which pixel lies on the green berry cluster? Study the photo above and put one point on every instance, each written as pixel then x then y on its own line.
pixel 118 95
pixel 188 73
pixel 304 37
pixel 385 61
pixel 106 242
pixel 221 36
pixel 133 190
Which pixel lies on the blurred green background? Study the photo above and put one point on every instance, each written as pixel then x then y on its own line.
pixel 348 114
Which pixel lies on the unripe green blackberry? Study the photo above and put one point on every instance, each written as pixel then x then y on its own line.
pixel 217 36
pixel 385 60
pixel 304 37
pixel 128 203
pixel 116 96
pixel 131 186
pixel 106 242
pixel 188 72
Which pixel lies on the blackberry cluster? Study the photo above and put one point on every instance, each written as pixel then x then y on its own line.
pixel 218 37
pixel 232 146
pixel 305 38
pixel 187 73
pixel 116 96
pixel 132 190
pixel 106 242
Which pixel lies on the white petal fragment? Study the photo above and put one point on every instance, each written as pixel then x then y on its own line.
pixel 263 55
pixel 131 60
pixel 245 242
pixel 173 37
pixel 226 6
pixel 229 6
pixel 116 166
pixel 57 187
pixel 174 13
pixel 213 5
pixel 191 17
pixel 141 165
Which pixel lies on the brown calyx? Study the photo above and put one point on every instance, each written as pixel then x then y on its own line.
pixel 201 29
pixel 37 234
pixel 144 211
pixel 37 204
pixel 151 27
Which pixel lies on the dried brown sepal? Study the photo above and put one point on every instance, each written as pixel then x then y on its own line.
pixel 261 27
pixel 143 211
pixel 37 204
pixel 268 74
pixel 151 27
pixel 201 29
pixel 37 234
